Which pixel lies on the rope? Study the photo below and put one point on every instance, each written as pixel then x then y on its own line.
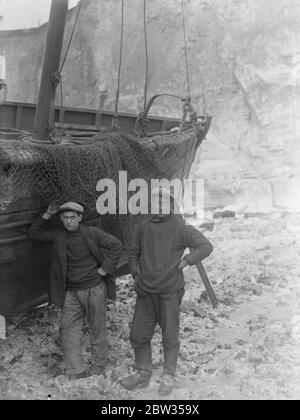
pixel 149 105
pixel 57 78
pixel 147 56
pixel 120 61
pixel 61 100
pixel 71 37
pixel 185 51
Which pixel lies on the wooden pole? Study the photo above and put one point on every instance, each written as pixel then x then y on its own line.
pixel 51 64
pixel 208 287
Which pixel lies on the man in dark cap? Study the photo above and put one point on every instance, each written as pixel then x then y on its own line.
pixel 78 282
pixel 157 265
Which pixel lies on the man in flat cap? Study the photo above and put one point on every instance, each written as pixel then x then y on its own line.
pixel 83 260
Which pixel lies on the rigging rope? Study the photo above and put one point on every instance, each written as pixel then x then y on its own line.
pixel 120 61
pixel 185 51
pixel 57 77
pixel 147 56
pixel 71 37
pixel 61 100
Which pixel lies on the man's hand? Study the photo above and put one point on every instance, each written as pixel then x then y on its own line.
pixel 183 263
pixel 51 211
pixel 137 275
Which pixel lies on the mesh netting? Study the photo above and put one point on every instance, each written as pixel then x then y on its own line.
pixel 70 172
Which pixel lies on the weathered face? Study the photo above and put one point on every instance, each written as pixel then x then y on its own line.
pixel 71 220
pixel 164 206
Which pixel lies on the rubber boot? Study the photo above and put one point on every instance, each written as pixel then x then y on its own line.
pixel 166 385
pixel 139 380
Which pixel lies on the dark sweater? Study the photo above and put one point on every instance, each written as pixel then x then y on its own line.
pixel 82 267
pixel 157 248
pixel 104 247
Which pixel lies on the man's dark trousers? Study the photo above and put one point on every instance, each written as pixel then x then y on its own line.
pixel 163 309
pixel 92 304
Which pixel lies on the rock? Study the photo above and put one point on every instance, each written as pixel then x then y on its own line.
pixel 236 208
pixel 241 342
pixel 203 297
pixel 16 358
pixel 265 278
pixel 216 395
pixel 54 371
pixel 257 327
pixel 207 226
pixel 223 214
pixel 241 355
pixel 3 371
pixel 196 370
pixel 276 336
pixel 227 300
pixel 214 319
pixel 199 312
pixel 210 370
pixel 254 288
pixel 203 359
pixel 184 356
pixel 56 357
pixel 224 346
pixel 249 214
pixel 227 370
pixel 189 213
pixel 188 329
pixel 198 340
pixel 223 314
pixel 227 346
pixel 258 355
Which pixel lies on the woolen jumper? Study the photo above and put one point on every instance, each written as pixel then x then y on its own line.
pixel 82 267
pixel 157 248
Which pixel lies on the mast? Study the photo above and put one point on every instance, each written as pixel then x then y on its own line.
pixel 51 64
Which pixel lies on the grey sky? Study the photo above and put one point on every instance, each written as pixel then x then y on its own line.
pixel 18 14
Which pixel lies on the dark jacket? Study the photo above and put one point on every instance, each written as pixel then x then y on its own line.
pixel 104 247
pixel 157 248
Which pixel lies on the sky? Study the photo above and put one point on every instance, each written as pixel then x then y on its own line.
pixel 19 14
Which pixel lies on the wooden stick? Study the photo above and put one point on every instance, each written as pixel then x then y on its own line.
pixel 208 287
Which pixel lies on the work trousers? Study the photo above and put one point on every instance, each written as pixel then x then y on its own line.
pixel 150 310
pixel 92 305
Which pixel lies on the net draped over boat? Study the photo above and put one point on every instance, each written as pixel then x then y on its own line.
pixel 72 170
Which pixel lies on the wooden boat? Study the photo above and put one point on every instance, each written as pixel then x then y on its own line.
pixel 24 265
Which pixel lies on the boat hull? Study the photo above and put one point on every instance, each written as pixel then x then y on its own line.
pixel 25 264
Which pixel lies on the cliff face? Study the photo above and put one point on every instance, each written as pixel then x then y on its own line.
pixel 244 58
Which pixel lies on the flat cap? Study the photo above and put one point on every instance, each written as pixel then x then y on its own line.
pixel 71 207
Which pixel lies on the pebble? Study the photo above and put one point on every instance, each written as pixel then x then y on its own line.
pixel 224 214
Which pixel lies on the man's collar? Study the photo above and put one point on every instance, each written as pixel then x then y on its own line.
pixel 156 219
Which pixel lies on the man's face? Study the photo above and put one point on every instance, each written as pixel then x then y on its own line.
pixel 71 220
pixel 164 205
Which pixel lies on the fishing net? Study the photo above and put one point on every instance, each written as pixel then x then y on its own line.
pixel 71 170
